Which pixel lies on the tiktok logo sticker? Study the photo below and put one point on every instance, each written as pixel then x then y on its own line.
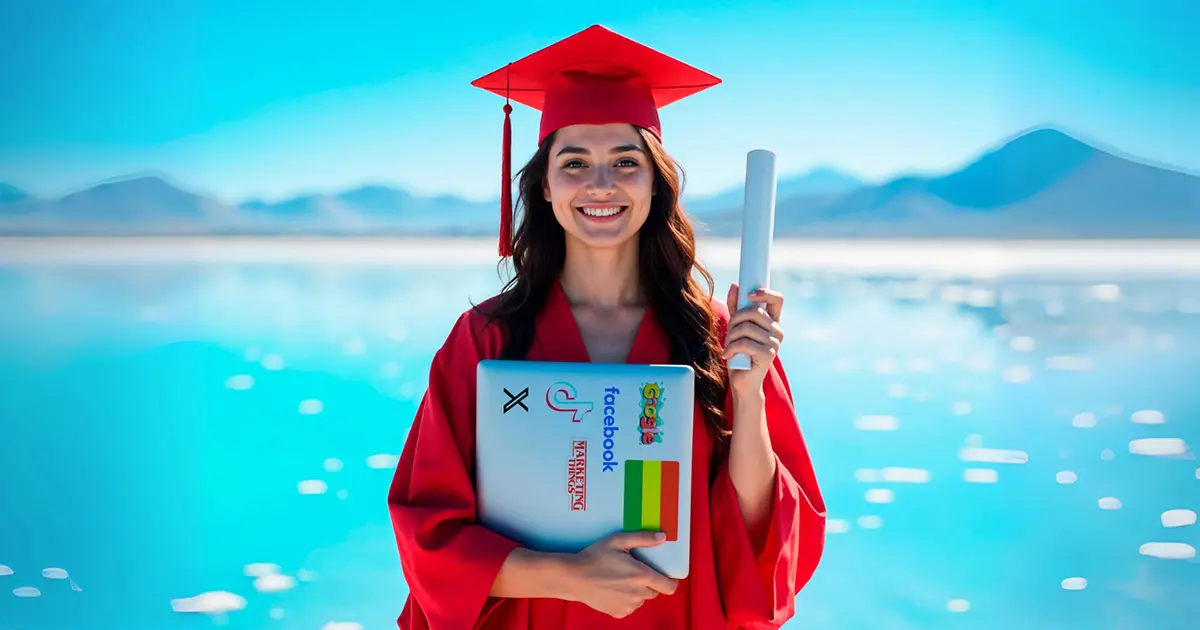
pixel 562 396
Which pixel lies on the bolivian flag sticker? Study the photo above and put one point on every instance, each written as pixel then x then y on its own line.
pixel 652 497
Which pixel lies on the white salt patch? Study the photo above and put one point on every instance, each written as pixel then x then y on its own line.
pixel 980 475
pixel 993 455
pixel 6 570
pixel 1105 293
pixel 876 423
pixel 1148 416
pixel 212 603
pixel 879 495
pixel 259 569
pixel 1074 584
pixel 1017 374
pixel 311 407
pixel 383 461
pixel 836 526
pixel 1107 454
pixel 1168 550
pixel 867 475
pixel 906 475
pixel 241 382
pixel 1109 503
pixel 1066 476
pixel 274 583
pixel 272 362
pixel 958 605
pixel 391 369
pixel 1023 344
pixel 885 366
pixel 276 612
pixel 870 522
pixel 1178 518
pixel 26 591
pixel 333 464
pixel 897 390
pixel 355 347
pixel 1068 364
pixel 53 573
pixel 1157 446
pixel 1085 420
pixel 960 408
pixel 342 625
pixel 312 486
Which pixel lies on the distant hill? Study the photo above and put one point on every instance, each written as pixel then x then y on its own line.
pixel 1041 184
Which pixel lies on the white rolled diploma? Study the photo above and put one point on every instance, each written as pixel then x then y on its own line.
pixel 758 229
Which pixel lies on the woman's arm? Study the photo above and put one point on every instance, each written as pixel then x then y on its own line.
pixel 752 464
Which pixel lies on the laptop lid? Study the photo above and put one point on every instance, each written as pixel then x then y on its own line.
pixel 569 453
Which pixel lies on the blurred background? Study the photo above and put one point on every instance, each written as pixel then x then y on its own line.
pixel 233 234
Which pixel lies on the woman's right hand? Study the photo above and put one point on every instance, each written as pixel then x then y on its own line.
pixel 607 578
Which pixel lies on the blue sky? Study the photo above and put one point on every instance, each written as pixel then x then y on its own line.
pixel 269 98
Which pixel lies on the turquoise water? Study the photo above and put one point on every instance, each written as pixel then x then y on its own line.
pixel 166 428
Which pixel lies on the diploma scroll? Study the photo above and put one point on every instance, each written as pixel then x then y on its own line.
pixel 758 228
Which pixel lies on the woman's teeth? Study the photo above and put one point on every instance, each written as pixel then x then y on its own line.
pixel 606 211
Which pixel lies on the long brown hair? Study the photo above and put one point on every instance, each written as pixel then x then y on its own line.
pixel 667 252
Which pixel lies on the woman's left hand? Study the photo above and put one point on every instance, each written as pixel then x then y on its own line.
pixel 754 331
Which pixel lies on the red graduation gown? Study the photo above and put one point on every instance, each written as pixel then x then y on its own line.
pixel 450 562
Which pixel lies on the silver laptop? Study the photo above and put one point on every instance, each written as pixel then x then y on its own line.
pixel 568 453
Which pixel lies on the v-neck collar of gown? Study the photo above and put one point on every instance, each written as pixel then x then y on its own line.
pixel 562 340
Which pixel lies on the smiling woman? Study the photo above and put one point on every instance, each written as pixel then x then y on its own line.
pixel 606 271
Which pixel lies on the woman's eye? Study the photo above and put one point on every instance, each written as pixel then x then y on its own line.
pixel 573 164
pixel 627 163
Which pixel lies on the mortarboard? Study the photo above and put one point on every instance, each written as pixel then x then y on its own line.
pixel 592 77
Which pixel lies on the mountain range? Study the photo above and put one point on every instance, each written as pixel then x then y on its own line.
pixel 1043 183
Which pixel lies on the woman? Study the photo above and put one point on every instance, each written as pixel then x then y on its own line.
pixel 604 260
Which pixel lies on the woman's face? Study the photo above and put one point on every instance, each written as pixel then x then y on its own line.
pixel 600 183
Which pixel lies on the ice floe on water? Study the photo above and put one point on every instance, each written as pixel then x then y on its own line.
pixel 5 570
pixel 311 407
pixel 332 464
pixel 1109 503
pixel 383 461
pixel 1178 518
pixel 210 603
pixel 259 569
pixel 312 486
pixel 1085 420
pixel 879 495
pixel 1168 550
pixel 1066 476
pixel 342 625
pixel 274 583
pixel 958 605
pixel 1158 447
pixel 993 455
pixel 1148 416
pixel 240 382
pixel 27 591
pixel 1074 584
pixel 1017 374
pixel 870 522
pixel 980 475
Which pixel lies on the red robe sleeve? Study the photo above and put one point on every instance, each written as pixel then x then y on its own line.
pixel 449 561
pixel 758 586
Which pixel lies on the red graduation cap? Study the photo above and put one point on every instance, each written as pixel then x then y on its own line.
pixel 592 77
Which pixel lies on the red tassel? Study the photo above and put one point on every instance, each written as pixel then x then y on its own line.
pixel 506 206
